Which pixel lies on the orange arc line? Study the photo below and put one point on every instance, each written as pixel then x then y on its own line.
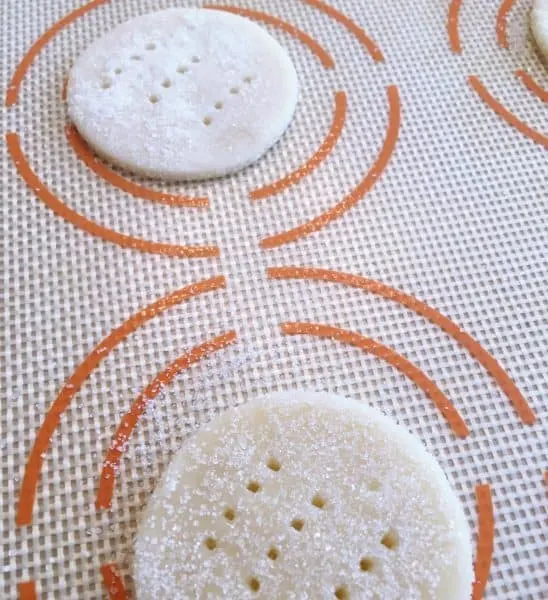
pixel 81 222
pixel 485 541
pixel 76 380
pixel 117 447
pixel 385 353
pixel 357 31
pixel 86 155
pixel 27 590
pixel 12 93
pixel 504 113
pixel 532 85
pixel 325 58
pixel 453 26
pixel 358 192
pixel 502 22
pixel 339 116
pixel 474 348
pixel 113 582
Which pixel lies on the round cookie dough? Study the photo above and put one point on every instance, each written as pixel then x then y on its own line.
pixel 303 495
pixel 539 25
pixel 183 93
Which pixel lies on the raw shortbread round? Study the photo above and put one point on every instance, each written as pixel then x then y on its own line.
pixel 539 25
pixel 303 495
pixel 183 93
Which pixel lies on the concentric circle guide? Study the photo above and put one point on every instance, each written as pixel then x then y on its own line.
pixel 110 573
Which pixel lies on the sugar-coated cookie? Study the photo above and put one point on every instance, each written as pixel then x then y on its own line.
pixel 183 93
pixel 303 495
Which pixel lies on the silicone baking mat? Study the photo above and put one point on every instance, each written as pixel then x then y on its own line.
pixel 392 247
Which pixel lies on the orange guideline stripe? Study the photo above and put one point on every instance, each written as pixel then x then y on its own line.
pixel 474 348
pixel 502 21
pixel 64 89
pixel 354 29
pixel 385 353
pixel 485 540
pixel 113 582
pixel 81 222
pixel 532 85
pixel 358 192
pixel 339 115
pixel 12 93
pixel 86 155
pixel 504 113
pixel 325 58
pixel 27 590
pixel 76 380
pixel 453 26
pixel 118 444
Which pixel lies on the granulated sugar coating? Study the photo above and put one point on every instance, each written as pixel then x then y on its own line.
pixel 539 25
pixel 303 495
pixel 183 93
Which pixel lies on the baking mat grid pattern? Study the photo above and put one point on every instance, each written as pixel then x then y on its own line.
pixel 453 212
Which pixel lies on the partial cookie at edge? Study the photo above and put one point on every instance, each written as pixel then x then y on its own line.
pixel 539 26
pixel 299 472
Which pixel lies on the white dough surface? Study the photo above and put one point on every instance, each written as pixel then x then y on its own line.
pixel 183 93
pixel 539 25
pixel 303 495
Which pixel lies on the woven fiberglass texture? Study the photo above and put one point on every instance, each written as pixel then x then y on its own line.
pixel 450 146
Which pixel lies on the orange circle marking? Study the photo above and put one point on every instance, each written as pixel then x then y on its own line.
pixel 486 539
pixel 73 384
pixel 474 348
pixel 339 116
pixel 313 45
pixel 354 29
pixel 532 85
pixel 120 439
pixel 27 590
pixel 12 93
pixel 453 26
pixel 113 582
pixel 358 192
pixel 86 155
pixel 502 22
pixel 81 222
pixel 379 350
pixel 504 113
